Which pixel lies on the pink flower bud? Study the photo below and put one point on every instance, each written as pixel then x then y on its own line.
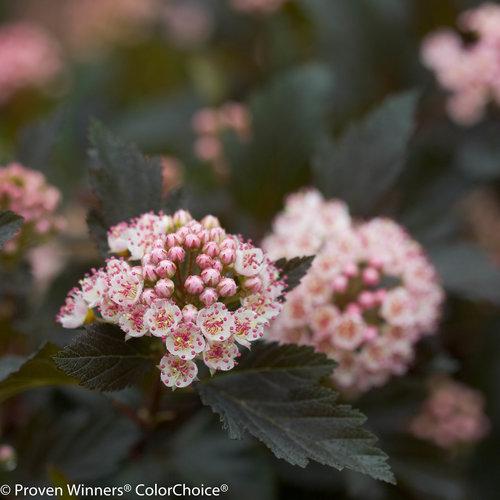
pixel 228 243
pixel 217 265
pixel 192 241
pixel 227 287
pixel 209 296
pixel 353 309
pixel 189 313
pixel 371 333
pixel 340 284
pixel 203 260
pixel 207 148
pixel 166 269
pixel 176 254
pixel 209 222
pixel 205 121
pixel 380 295
pixel 217 234
pixel 351 270
pixel 211 249
pixel 157 255
pixel 227 256
pixel 159 243
pixel 376 263
pixel 149 296
pixel 148 272
pixel 253 284
pixel 210 276
pixel 164 288
pixel 371 276
pixel 181 218
pixel 194 285
pixel 171 240
pixel 366 299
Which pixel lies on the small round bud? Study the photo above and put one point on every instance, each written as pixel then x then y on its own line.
pixel 253 284
pixel 149 296
pixel 227 256
pixel 209 222
pixel 176 254
pixel 149 273
pixel 164 288
pixel 189 313
pixel 194 285
pixel 181 218
pixel 371 276
pixel 166 269
pixel 340 284
pixel 211 249
pixel 210 276
pixel 203 260
pixel 192 241
pixel 227 287
pixel 209 296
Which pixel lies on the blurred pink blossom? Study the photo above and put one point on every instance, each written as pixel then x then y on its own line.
pixel 369 296
pixel 29 57
pixel 258 6
pixel 452 415
pixel 27 193
pixel 469 72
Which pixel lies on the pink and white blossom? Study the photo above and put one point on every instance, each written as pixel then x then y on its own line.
pixel 369 296
pixel 452 416
pixel 168 281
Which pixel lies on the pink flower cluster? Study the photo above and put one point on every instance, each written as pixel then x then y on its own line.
pixel 258 6
pixel 26 192
pixel 470 72
pixel 452 415
pixel 369 296
pixel 201 290
pixel 29 57
pixel 209 125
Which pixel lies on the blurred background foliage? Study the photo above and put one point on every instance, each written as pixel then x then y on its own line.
pixel 314 75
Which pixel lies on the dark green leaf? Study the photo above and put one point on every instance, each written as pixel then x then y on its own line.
pixel 101 359
pixel 10 223
pixel 37 371
pixel 126 183
pixel 201 453
pixel 363 165
pixel 276 395
pixel 38 140
pixel 467 271
pixel 288 118
pixel 84 443
pixel 293 270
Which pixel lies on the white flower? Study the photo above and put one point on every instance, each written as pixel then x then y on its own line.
pixel 221 355
pixel 162 317
pixel 125 286
pixel 132 322
pixel 249 262
pixel 215 322
pixel 348 331
pixel 247 328
pixel 93 288
pixel 261 305
pixel 177 372
pixel 397 307
pixel 75 310
pixel 186 341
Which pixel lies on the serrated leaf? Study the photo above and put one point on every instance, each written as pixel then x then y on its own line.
pixel 276 395
pixel 37 371
pixel 293 270
pixel 101 359
pixel 85 442
pixel 288 117
pixel 125 182
pixel 467 271
pixel 364 163
pixel 10 223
